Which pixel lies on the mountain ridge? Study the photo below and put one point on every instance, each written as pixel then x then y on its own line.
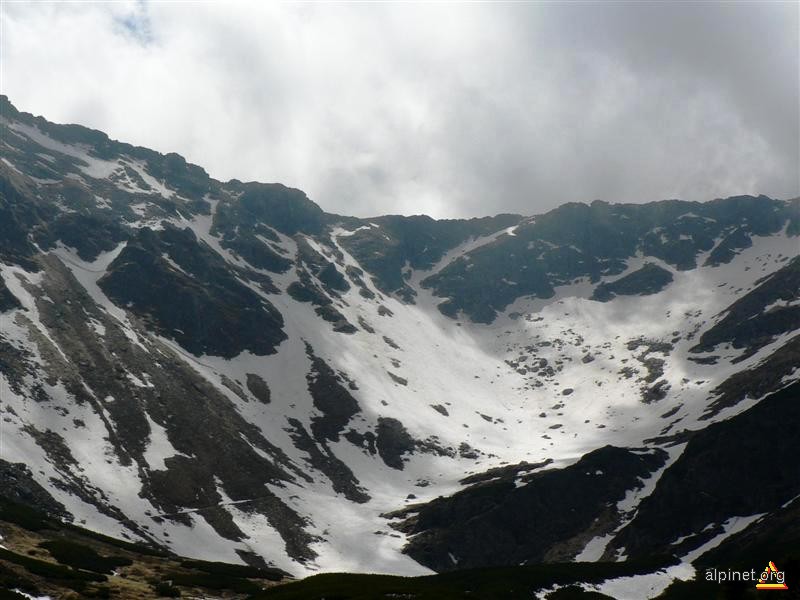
pixel 186 359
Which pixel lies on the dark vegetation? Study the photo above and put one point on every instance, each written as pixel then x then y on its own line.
pixel 73 559
pixel 80 556
pixel 504 583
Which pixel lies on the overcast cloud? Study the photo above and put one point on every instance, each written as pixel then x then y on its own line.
pixel 444 109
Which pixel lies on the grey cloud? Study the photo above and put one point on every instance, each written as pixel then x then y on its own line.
pixel 450 110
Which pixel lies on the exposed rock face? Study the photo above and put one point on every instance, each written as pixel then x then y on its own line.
pixel 259 388
pixel 189 295
pixel 419 241
pixel 577 240
pixel 504 521
pixel 768 375
pixel 88 234
pixel 8 300
pixel 320 283
pixel 138 387
pixel 284 209
pixel 728 248
pixel 769 310
pixel 650 279
pixel 323 460
pixel 223 369
pixel 17 485
pixel 743 466
pixel 776 535
pixel 393 441
pixel 331 398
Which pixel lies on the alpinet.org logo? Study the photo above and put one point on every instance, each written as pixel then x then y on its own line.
pixel 772 579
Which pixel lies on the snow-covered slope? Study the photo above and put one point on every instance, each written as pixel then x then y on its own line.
pixel 226 371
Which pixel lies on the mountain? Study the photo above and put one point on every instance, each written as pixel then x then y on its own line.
pixel 223 370
pixel 42 555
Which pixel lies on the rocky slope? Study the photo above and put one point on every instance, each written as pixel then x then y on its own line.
pixel 226 371
pixel 41 556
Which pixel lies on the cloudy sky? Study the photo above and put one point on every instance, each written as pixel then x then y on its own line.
pixel 446 109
